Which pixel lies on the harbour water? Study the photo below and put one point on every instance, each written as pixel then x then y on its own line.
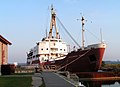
pixel 116 84
pixel 102 84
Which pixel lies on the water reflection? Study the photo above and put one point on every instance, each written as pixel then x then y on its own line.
pixel 100 83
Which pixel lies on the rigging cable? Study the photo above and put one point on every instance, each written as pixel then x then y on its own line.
pixel 68 32
pixel 63 33
pixel 92 34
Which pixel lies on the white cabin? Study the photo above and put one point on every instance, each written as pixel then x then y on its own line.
pixel 48 49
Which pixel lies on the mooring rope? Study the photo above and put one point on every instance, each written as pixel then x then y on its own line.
pixel 73 60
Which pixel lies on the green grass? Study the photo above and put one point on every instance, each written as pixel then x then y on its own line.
pixel 23 73
pixel 15 81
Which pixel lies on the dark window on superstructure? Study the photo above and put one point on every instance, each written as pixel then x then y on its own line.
pixel 60 41
pixel 56 54
pixel 37 43
pixel 64 49
pixel 46 48
pixel 46 40
pixel 41 48
pixel 92 58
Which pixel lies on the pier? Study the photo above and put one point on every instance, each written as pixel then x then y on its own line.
pixel 52 79
pixel 65 79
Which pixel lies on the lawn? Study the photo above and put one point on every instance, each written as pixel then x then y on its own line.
pixel 15 81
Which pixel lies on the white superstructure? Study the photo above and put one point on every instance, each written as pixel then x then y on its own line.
pixel 50 48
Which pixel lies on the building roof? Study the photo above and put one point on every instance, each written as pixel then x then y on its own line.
pixel 2 39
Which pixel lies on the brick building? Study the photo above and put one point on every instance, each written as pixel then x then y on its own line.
pixel 4 50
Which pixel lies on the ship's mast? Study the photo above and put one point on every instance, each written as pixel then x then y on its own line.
pixel 53 23
pixel 83 32
pixel 101 35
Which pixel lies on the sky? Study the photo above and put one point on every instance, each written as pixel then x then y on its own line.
pixel 23 23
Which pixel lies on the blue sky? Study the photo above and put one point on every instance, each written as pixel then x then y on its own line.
pixel 23 22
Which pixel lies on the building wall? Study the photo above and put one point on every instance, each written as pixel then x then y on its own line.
pixel 6 54
pixel 0 53
pixel 3 53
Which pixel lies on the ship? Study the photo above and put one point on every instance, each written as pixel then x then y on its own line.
pixel 53 51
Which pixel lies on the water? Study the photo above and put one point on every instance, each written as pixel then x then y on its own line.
pixel 102 84
pixel 116 84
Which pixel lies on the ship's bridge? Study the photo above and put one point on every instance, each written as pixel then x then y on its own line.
pixel 52 48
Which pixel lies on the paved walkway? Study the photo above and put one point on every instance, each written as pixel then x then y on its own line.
pixel 53 80
pixel 36 80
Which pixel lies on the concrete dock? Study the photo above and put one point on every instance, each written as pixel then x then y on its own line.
pixel 51 79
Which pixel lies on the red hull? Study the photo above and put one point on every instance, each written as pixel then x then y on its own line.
pixel 80 61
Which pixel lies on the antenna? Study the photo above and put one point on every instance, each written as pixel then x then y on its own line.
pixel 101 35
pixel 46 32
